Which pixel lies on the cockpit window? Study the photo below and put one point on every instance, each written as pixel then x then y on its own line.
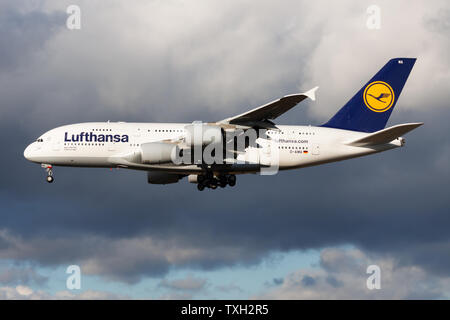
pixel 40 140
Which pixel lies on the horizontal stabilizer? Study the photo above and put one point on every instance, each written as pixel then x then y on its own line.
pixel 385 135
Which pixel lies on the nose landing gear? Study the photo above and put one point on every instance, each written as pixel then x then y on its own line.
pixel 48 168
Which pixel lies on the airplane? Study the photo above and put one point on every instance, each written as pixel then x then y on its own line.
pixel 247 143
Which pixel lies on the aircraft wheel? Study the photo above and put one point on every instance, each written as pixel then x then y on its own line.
pixel 200 187
pixel 50 179
pixel 232 180
pixel 213 186
pixel 222 181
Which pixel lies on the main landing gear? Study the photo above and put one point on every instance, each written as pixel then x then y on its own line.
pixel 48 168
pixel 212 182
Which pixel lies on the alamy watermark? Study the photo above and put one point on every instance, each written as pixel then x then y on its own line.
pixel 211 145
pixel 374 280
pixel 73 281
pixel 73 21
pixel 374 19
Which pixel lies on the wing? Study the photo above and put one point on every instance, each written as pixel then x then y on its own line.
pixel 262 115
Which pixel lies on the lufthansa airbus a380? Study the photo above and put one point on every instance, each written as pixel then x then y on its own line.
pixel 212 154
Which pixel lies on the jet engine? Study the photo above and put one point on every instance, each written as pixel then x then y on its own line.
pixel 158 152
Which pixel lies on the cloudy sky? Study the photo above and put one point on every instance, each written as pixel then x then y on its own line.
pixel 308 233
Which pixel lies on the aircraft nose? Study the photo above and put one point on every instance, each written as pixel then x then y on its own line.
pixel 28 153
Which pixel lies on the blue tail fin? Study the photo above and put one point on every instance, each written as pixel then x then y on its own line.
pixel 370 108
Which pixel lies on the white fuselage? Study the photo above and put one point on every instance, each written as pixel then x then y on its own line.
pixel 95 144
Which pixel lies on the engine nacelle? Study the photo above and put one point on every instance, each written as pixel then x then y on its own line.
pixel 158 152
pixel 193 178
pixel 202 134
pixel 157 177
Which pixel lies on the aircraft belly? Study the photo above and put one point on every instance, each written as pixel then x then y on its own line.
pixel 85 161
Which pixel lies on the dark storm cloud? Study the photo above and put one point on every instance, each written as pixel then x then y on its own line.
pixel 308 281
pixel 189 283
pixel 23 33
pixel 117 226
pixel 277 281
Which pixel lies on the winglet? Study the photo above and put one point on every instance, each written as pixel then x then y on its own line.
pixel 311 93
